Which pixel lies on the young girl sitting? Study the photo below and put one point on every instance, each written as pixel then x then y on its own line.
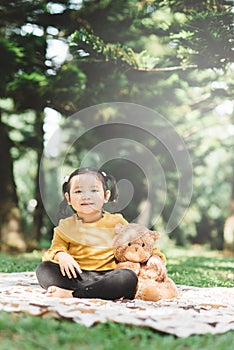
pixel 80 262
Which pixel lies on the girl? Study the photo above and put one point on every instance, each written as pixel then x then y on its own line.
pixel 80 262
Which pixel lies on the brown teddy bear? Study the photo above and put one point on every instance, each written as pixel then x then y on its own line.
pixel 134 249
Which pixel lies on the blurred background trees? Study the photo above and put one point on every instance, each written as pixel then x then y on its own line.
pixel 59 57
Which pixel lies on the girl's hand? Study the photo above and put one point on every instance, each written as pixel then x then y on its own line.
pixel 68 265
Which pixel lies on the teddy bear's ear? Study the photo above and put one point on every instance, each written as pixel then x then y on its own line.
pixel 155 235
pixel 118 228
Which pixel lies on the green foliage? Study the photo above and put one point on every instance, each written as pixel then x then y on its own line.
pixel 167 35
pixel 66 88
pixel 33 85
pixel 10 58
pixel 206 39
pixel 201 35
pixel 85 43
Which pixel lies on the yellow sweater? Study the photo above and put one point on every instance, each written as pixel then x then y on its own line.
pixel 90 244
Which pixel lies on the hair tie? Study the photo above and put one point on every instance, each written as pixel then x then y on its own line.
pixel 66 178
pixel 103 173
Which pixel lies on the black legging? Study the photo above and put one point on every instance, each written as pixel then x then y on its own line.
pixel 109 285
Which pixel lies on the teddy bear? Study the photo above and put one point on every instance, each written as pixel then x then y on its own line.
pixel 133 247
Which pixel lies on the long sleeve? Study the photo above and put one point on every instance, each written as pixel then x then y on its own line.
pixel 90 244
pixel 58 244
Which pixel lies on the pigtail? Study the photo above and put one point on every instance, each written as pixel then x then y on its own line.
pixel 64 209
pixel 112 187
pixel 65 187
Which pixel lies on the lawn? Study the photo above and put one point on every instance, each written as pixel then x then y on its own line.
pixel 191 267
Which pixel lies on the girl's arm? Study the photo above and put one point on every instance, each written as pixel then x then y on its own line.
pixel 58 244
pixel 68 265
pixel 58 252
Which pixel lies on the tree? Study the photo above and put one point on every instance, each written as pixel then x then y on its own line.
pixel 11 236
pixel 27 79
pixel 185 76
pixel 147 53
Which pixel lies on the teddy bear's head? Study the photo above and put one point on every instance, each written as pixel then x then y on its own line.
pixel 133 242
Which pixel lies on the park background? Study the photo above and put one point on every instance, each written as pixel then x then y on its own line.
pixel 60 57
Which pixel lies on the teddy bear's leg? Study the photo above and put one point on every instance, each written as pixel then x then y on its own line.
pixel 154 291
pixel 148 290
pixel 168 289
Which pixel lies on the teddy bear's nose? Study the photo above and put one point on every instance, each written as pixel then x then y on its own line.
pixel 136 249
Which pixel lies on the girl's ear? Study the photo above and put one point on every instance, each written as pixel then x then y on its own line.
pixel 66 194
pixel 107 196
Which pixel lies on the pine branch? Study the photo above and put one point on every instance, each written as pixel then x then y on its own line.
pixel 167 69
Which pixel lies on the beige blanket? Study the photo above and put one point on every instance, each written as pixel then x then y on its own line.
pixel 194 311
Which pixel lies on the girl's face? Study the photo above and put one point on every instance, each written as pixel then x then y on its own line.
pixel 87 195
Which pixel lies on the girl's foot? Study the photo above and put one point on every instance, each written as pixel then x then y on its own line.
pixel 57 292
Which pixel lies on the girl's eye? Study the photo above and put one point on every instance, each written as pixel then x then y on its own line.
pixel 78 191
pixel 94 191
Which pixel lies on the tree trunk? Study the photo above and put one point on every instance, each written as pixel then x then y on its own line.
pixel 11 228
pixel 35 235
pixel 228 232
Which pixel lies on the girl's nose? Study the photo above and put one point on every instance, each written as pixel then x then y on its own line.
pixel 86 194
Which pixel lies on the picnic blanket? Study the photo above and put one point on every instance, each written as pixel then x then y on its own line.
pixel 194 311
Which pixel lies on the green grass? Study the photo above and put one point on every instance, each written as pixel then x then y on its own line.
pixel 200 268
pixel 19 263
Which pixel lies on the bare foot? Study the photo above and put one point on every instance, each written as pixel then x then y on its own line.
pixel 57 292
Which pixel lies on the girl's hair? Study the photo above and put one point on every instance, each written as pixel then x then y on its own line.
pixel 108 183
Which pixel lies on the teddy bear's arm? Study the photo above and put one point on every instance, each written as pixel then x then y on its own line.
pixel 156 261
pixel 129 265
